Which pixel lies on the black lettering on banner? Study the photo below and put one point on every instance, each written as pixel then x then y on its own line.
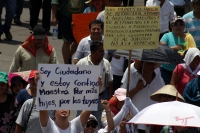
pixel 76 100
pixel 89 102
pixel 77 91
pixel 42 71
pixel 63 101
pixel 69 71
pixel 53 92
pixel 46 104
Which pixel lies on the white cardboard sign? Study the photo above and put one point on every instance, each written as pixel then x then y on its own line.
pixel 72 87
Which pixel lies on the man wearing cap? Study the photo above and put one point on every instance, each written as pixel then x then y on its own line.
pixel 36 49
pixel 66 9
pixel 192 24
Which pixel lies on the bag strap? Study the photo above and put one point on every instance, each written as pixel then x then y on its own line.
pixel 32 105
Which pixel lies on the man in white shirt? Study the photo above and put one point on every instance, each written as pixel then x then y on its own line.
pixel 166 14
pixel 143 82
pixel 96 58
pixel 96 31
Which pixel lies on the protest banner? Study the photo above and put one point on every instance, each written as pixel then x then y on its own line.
pixel 81 24
pixel 71 87
pixel 131 27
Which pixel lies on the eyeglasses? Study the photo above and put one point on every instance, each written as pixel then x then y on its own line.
pixel 89 124
pixel 178 24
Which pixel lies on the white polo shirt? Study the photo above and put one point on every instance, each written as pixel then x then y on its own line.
pixel 105 70
pixel 83 49
pixel 142 98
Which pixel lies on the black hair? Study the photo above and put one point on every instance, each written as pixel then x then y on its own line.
pixel 96 22
pixel 95 45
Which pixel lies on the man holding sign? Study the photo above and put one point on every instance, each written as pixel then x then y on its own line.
pixel 96 58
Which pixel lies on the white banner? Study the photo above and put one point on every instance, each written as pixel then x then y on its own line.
pixel 71 87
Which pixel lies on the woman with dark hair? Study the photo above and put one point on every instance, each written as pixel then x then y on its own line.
pixel 17 84
pixel 8 106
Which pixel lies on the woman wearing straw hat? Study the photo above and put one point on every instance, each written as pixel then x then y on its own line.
pixel 96 6
pixel 143 82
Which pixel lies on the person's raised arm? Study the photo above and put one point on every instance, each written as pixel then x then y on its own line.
pixel 44 117
pixel 109 117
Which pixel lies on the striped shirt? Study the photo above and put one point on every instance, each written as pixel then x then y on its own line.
pixel 192 25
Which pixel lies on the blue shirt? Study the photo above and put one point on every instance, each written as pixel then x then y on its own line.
pixel 171 40
pixel 192 25
pixel 23 96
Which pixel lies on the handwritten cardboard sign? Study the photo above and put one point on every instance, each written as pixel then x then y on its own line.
pixel 81 24
pixel 131 27
pixel 71 87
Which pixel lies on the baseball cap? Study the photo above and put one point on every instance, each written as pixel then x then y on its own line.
pixel 39 32
pixel 3 77
pixel 120 93
pixel 176 19
pixel 33 74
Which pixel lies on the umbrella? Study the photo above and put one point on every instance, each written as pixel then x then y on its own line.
pixel 163 54
pixel 169 113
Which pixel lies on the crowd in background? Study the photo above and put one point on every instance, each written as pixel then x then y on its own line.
pixel 149 82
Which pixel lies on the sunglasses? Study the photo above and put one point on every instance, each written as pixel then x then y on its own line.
pixel 93 125
pixel 178 24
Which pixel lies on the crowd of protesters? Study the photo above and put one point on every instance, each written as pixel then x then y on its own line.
pixel 149 82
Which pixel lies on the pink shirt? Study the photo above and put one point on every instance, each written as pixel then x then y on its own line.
pixel 185 77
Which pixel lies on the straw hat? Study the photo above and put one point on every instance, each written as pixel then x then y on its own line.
pixel 137 64
pixel 167 89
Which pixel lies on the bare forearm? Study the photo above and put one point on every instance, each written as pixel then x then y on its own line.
pixel 54 10
pixel 44 117
pixel 18 129
pixel 109 120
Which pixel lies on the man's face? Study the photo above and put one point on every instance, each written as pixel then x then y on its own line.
pixel 96 31
pixel 39 42
pixel 115 3
pixel 196 6
pixel 99 53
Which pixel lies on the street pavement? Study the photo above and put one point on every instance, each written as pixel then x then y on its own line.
pixel 20 33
